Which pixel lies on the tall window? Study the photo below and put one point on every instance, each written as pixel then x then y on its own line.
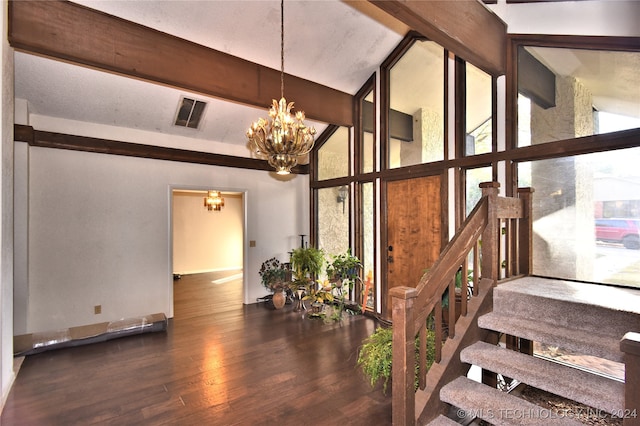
pixel 368 146
pixel 478 111
pixel 333 219
pixel 333 155
pixel 586 205
pixel 416 106
pixel 473 179
pixel 570 93
pixel 587 216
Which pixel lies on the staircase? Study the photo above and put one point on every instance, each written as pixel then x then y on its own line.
pixel 582 318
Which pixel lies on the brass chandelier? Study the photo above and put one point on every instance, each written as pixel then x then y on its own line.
pixel 214 201
pixel 282 137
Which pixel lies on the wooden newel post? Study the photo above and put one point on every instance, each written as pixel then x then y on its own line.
pixel 630 345
pixel 490 236
pixel 404 357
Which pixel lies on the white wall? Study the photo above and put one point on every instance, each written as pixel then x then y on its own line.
pixel 206 240
pixel 99 232
pixel 597 17
pixel 7 374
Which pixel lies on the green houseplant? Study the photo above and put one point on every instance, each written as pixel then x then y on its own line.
pixel 343 270
pixel 343 267
pixel 306 264
pixel 318 297
pixel 273 277
pixel 272 274
pixel 376 353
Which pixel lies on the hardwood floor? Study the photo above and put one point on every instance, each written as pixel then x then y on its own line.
pixel 219 363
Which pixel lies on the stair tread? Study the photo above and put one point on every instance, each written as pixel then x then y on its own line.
pixel 590 389
pixel 596 295
pixel 581 306
pixel 496 407
pixel 588 343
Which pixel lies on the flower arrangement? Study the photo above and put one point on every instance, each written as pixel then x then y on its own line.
pixel 273 274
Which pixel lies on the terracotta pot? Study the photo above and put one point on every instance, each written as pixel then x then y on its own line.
pixel 279 299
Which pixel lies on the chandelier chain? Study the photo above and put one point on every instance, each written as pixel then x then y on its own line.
pixel 282 48
pixel 283 136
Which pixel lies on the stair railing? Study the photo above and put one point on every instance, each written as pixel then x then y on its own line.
pixel 496 233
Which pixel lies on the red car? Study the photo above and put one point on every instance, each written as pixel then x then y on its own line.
pixel 624 231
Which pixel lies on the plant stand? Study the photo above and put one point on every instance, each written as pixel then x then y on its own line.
pixel 298 302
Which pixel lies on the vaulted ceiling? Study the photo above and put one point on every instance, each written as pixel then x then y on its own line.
pixel 331 47
pixel 127 64
pixel 327 42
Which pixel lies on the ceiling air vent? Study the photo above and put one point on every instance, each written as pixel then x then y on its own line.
pixel 189 113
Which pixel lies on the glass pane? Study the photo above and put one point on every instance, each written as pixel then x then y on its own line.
pixel 333 156
pixel 576 92
pixel 368 120
pixel 586 212
pixel 333 219
pixel 479 127
pixel 473 179
pixel 368 242
pixel 416 118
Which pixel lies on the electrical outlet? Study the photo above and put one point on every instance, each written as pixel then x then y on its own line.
pixel 97 309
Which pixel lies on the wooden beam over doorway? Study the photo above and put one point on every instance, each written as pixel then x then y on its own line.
pixel 78 34
pixel 465 27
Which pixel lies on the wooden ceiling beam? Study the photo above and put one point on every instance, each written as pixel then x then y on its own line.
pixel 465 27
pixel 105 146
pixel 74 33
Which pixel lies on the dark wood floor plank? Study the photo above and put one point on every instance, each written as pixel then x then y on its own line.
pixel 220 363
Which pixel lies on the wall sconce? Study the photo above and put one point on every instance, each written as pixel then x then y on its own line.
pixel 343 193
pixel 214 201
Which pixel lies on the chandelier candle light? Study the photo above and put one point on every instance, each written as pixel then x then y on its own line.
pixel 214 201
pixel 282 137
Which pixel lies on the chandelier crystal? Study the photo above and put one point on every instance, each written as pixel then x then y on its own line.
pixel 282 137
pixel 214 201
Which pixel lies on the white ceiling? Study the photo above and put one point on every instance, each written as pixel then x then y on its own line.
pixel 326 41
pixel 330 42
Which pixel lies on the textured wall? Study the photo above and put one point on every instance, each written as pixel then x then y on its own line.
pixel 563 202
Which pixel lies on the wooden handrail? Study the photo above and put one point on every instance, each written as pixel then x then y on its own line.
pixel 479 236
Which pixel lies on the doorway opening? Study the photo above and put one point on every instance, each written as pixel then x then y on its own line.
pixel 207 252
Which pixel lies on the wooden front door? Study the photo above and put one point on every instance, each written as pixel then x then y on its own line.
pixel 414 231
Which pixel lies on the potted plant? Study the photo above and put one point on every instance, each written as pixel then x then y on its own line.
pixel 318 296
pixel 343 267
pixel 273 277
pixel 306 264
pixel 376 352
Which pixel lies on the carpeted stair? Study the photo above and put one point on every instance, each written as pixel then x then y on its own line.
pixel 583 318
